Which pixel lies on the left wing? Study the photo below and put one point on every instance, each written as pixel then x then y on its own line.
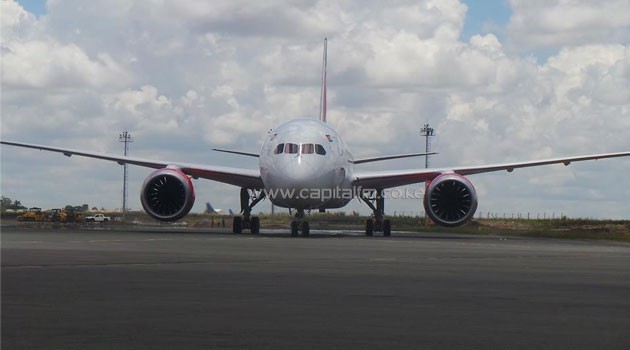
pixel 388 179
pixel 233 176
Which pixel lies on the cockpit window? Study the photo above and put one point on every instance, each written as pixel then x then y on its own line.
pixel 304 148
pixel 308 148
pixel 291 148
pixel 319 149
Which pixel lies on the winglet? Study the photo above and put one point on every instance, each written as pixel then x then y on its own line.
pixel 322 102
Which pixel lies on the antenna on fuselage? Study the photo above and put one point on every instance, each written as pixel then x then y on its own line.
pixel 322 102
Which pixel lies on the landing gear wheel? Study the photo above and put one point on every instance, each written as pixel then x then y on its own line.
pixel 247 222
pixel 255 225
pixel 306 230
pixel 237 224
pixel 369 228
pixel 294 228
pixel 387 228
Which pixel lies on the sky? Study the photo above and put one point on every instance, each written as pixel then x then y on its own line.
pixel 503 80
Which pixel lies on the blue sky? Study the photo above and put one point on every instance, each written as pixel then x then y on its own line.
pixel 36 7
pixel 484 16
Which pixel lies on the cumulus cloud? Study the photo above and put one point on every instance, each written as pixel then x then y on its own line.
pixel 551 24
pixel 188 76
pixel 49 64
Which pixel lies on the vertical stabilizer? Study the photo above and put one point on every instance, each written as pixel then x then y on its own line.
pixel 322 102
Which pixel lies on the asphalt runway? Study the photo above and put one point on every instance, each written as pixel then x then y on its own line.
pixel 102 289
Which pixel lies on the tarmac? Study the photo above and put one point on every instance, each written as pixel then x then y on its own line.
pixel 72 288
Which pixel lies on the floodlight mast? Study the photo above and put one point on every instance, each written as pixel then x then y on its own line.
pixel 427 132
pixel 125 137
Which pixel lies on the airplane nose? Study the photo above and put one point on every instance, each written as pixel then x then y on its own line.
pixel 301 172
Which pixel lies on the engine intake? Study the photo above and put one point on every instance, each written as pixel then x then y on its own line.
pixel 167 194
pixel 450 200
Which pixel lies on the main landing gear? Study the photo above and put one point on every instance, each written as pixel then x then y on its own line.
pixel 300 225
pixel 247 221
pixel 377 223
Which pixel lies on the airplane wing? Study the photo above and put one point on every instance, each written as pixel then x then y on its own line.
pixel 395 178
pixel 233 176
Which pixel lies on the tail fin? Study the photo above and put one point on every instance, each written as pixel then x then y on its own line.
pixel 209 208
pixel 322 102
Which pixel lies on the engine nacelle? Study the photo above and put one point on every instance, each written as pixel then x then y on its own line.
pixel 450 200
pixel 167 194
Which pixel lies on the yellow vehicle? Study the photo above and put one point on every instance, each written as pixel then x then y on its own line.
pixel 64 215
pixel 34 214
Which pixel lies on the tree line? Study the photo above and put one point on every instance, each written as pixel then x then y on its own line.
pixel 7 203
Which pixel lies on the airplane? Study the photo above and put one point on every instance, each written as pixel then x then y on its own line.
pixel 211 210
pixel 304 165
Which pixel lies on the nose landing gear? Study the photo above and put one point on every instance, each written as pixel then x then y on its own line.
pixel 300 225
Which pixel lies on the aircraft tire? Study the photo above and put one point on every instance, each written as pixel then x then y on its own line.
pixel 306 230
pixel 369 228
pixel 255 225
pixel 387 228
pixel 237 224
pixel 294 228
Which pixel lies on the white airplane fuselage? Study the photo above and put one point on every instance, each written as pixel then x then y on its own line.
pixel 304 164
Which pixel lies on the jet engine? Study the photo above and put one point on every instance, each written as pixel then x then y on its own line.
pixel 450 200
pixel 167 194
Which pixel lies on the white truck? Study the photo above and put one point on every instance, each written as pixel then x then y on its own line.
pixel 97 218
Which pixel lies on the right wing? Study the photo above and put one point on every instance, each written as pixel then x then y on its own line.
pixel 395 178
pixel 233 176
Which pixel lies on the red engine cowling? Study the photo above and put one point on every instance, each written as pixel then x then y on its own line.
pixel 167 194
pixel 450 200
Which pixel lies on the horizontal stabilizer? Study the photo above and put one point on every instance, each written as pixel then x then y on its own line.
pixel 396 156
pixel 237 152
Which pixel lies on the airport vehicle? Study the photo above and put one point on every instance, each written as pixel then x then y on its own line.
pixel 57 215
pixel 97 218
pixel 64 215
pixel 305 165
pixel 34 214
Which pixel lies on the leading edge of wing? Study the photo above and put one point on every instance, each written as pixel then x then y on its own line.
pixel 395 178
pixel 234 176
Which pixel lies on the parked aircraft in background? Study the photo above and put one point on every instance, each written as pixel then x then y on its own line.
pixel 211 210
pixel 305 165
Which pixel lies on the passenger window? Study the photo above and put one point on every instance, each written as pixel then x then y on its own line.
pixel 291 148
pixel 319 149
pixel 279 149
pixel 308 148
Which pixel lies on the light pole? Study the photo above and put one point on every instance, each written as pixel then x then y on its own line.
pixel 125 137
pixel 427 132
